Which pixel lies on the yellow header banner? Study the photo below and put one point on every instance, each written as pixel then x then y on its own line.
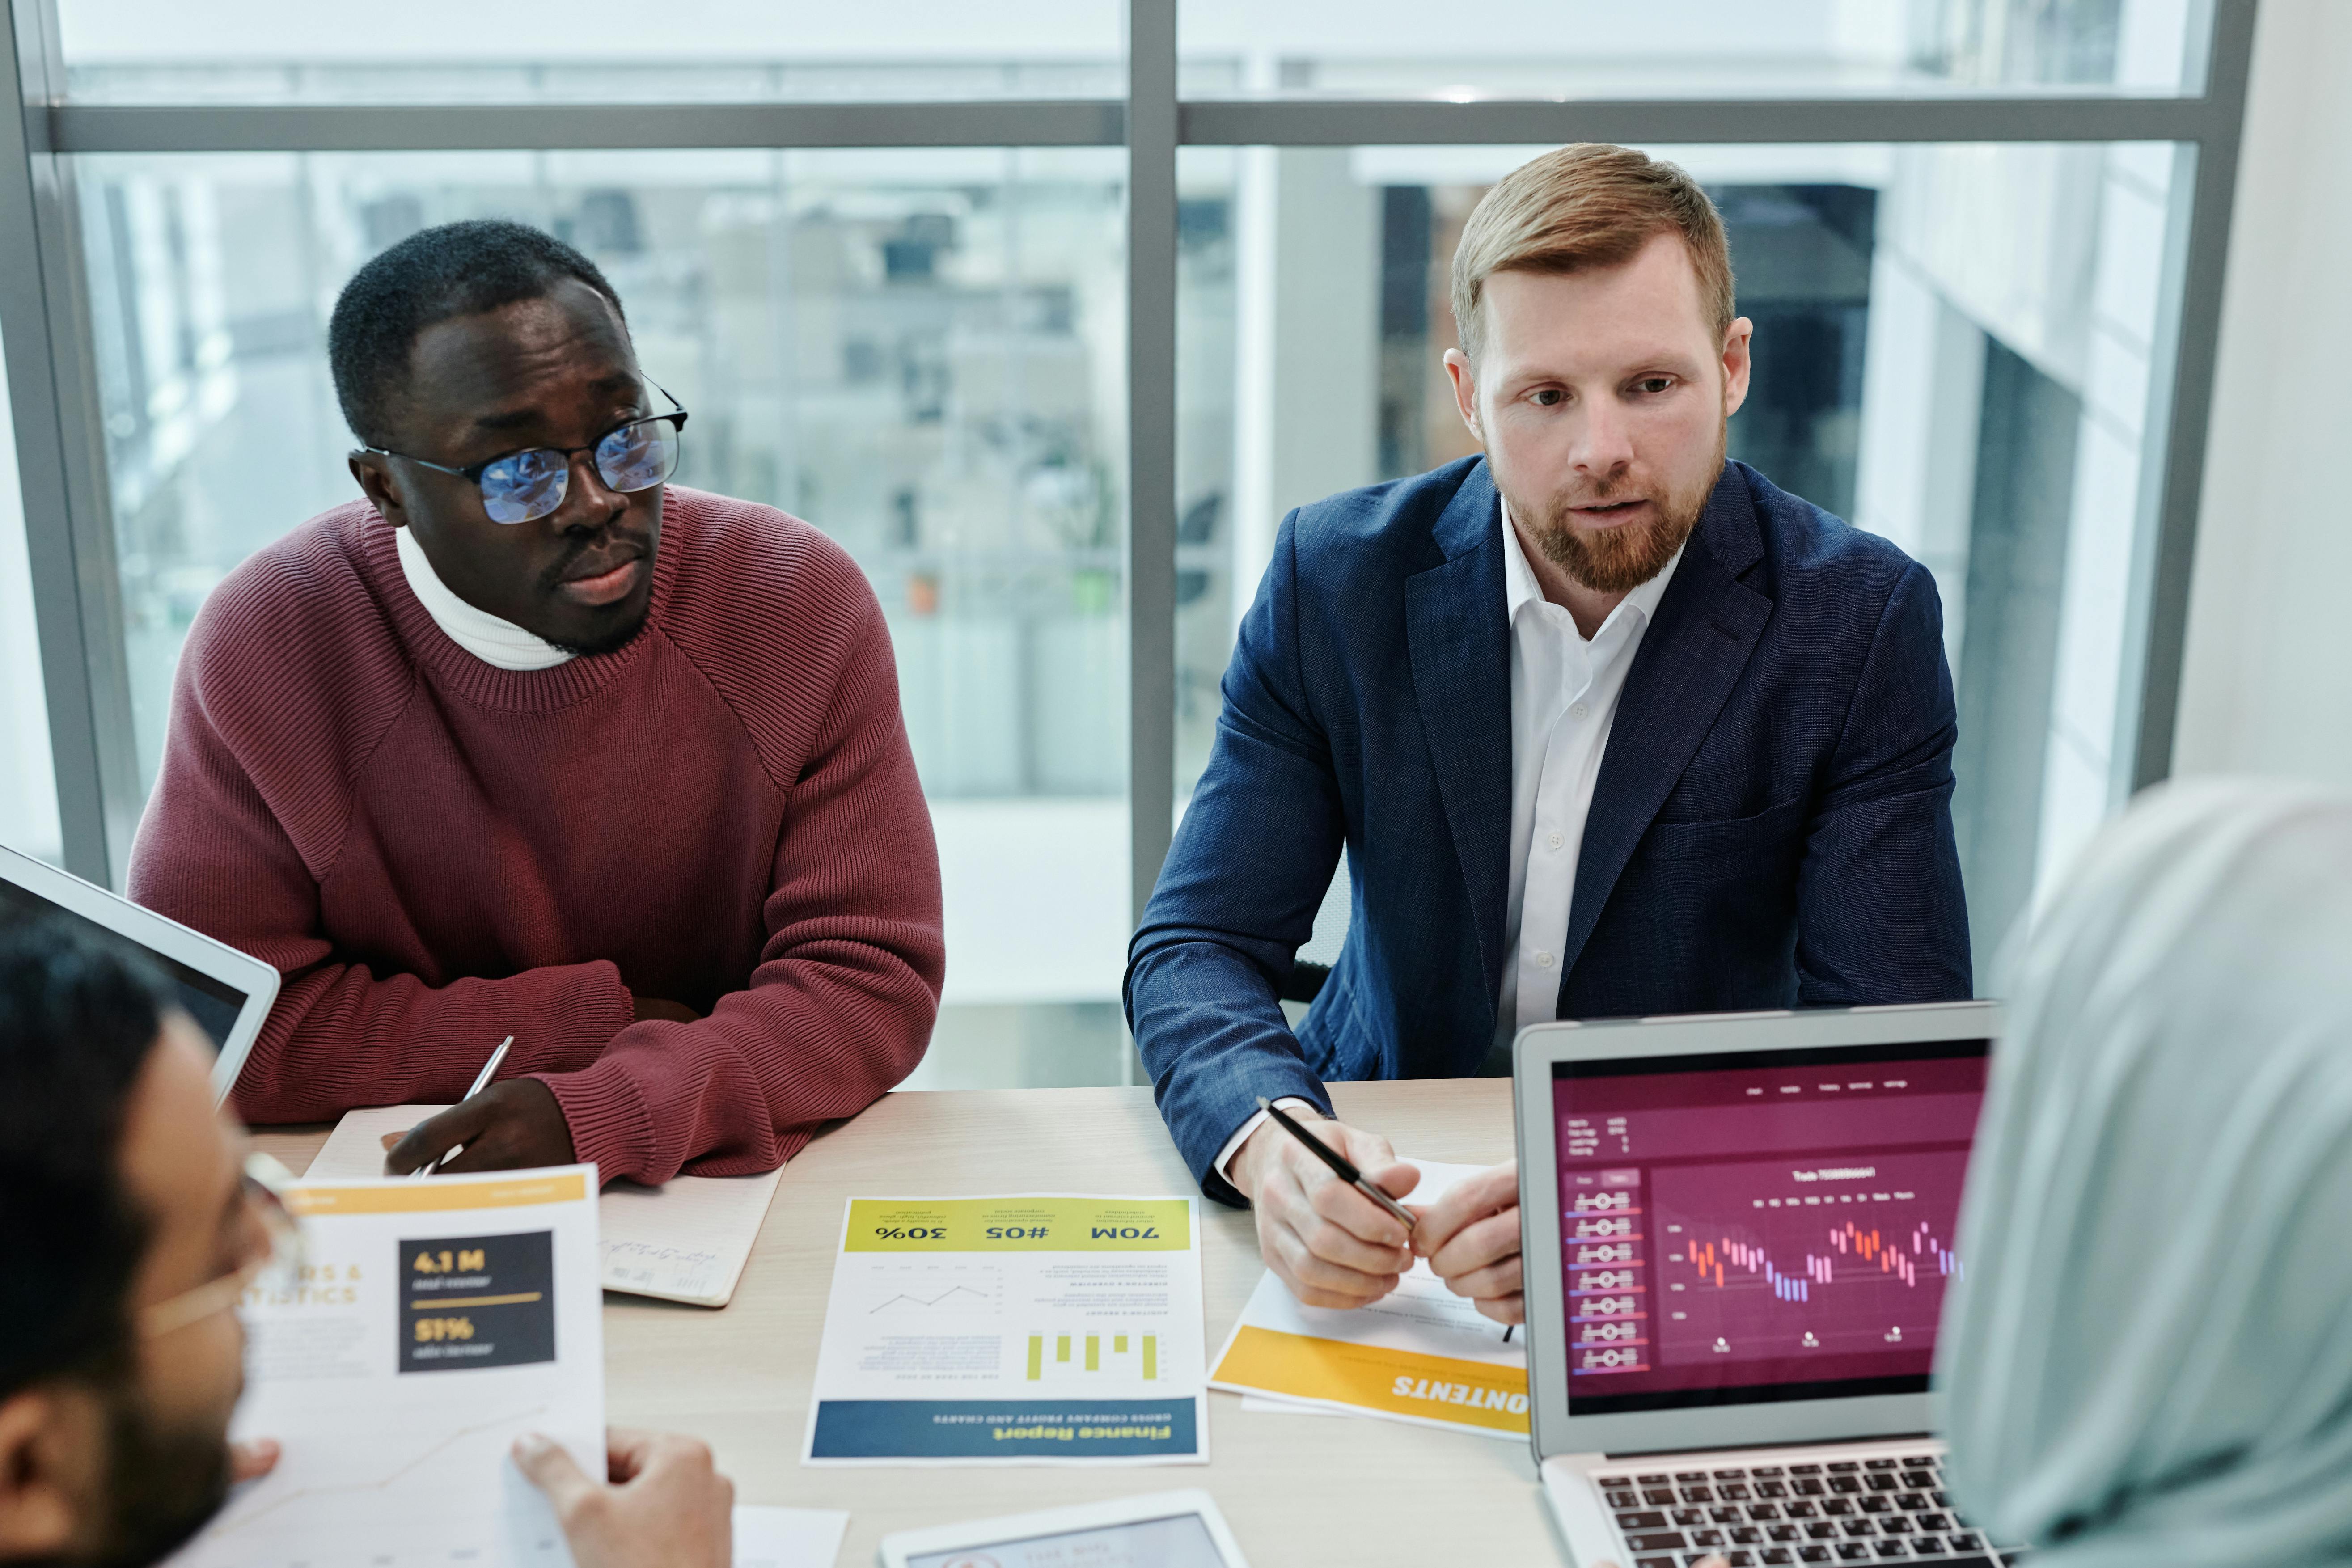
pixel 439 1194
pixel 1019 1224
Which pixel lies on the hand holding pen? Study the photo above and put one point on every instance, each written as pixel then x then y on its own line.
pixel 499 1126
pixel 1322 1236
pixel 1449 1214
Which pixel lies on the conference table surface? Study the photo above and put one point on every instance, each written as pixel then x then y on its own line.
pixel 1296 1489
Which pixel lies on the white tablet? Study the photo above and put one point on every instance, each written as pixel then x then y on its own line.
pixel 226 991
pixel 1164 1529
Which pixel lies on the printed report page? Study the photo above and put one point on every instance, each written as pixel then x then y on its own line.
pixel 433 1322
pixel 1033 1328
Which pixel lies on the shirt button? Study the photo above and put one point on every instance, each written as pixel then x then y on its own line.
pixel 1580 710
pixel 1543 961
pixel 1555 841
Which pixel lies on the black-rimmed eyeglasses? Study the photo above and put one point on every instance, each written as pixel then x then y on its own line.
pixel 523 487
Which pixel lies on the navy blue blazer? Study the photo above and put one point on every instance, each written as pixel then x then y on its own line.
pixel 1771 826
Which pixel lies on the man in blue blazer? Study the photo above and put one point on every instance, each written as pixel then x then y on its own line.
pixel 1607 725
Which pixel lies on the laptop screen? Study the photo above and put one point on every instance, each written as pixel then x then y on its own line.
pixel 1752 1226
pixel 213 1003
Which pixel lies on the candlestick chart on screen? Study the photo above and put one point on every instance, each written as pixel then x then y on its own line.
pixel 1770 1257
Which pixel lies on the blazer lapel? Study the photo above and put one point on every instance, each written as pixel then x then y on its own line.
pixel 1690 658
pixel 1461 656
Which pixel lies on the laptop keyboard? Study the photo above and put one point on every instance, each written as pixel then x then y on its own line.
pixel 1888 1507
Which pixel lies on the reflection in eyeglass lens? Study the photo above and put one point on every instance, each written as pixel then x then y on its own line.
pixel 525 486
pixel 529 485
pixel 636 456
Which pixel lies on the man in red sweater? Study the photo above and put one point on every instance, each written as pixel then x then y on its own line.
pixel 530 743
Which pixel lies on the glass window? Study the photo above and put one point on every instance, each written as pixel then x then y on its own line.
pixel 1696 48
pixel 921 352
pixel 28 788
pixel 606 51
pixel 1953 348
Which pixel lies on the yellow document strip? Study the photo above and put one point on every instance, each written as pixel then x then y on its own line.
pixel 1018 1225
pixel 438 1195
pixel 1372 1377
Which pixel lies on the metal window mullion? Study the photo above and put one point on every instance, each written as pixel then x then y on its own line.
pixel 348 128
pixel 2181 404
pixel 1691 121
pixel 1151 117
pixel 420 127
pixel 61 465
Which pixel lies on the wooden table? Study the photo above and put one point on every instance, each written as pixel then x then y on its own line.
pixel 1298 1488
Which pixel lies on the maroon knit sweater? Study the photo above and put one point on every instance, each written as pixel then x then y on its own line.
pixel 437 853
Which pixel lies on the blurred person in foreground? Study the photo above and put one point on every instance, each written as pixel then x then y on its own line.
pixel 129 1230
pixel 2148 1359
pixel 529 741
pixel 1608 726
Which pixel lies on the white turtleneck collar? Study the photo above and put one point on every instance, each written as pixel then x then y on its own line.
pixel 480 633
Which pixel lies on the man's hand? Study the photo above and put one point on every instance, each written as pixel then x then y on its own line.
pixel 252 1460
pixel 1471 1237
pixel 667 1012
pixel 506 1127
pixel 1330 1243
pixel 666 1506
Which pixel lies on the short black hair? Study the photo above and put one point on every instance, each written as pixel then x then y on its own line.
pixel 77 1022
pixel 456 269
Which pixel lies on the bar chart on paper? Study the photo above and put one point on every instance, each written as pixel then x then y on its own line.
pixel 1056 1357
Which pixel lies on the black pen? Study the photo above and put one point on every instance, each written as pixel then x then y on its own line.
pixel 1338 1162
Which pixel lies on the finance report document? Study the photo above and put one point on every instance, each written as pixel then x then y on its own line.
pixel 1420 1354
pixel 433 1324
pixel 686 1240
pixel 1039 1329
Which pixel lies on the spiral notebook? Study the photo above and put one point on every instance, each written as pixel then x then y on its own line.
pixel 686 1240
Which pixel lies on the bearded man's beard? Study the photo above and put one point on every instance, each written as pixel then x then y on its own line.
pixel 163 1482
pixel 1620 560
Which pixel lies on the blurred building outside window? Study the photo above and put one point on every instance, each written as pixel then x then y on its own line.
pixel 922 352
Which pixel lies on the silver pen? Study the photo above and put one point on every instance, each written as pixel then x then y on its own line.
pixel 481 1081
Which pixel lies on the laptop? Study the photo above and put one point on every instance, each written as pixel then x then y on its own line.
pixel 227 992
pixel 1738 1231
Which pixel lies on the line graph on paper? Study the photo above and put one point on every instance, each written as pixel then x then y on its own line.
pixel 1774 1258
pixel 924 1287
pixel 382 1501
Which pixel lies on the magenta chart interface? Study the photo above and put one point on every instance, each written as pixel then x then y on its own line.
pixel 1760 1226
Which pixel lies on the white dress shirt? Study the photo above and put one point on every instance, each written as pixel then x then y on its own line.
pixel 484 635
pixel 1564 692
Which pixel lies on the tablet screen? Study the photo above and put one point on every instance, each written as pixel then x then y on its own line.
pixel 214 1003
pixel 1179 1541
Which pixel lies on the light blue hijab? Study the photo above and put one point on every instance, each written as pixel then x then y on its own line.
pixel 2149 1359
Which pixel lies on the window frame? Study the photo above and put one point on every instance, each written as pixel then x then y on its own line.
pixel 44 316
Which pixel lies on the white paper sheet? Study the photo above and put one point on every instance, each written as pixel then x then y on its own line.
pixel 788 1537
pixel 686 1240
pixel 435 1322
pixel 1033 1328
pixel 1432 1350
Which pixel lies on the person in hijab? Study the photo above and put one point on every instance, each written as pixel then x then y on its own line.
pixel 2149 1360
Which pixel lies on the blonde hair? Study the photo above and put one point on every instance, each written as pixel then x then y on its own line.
pixel 1587 204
